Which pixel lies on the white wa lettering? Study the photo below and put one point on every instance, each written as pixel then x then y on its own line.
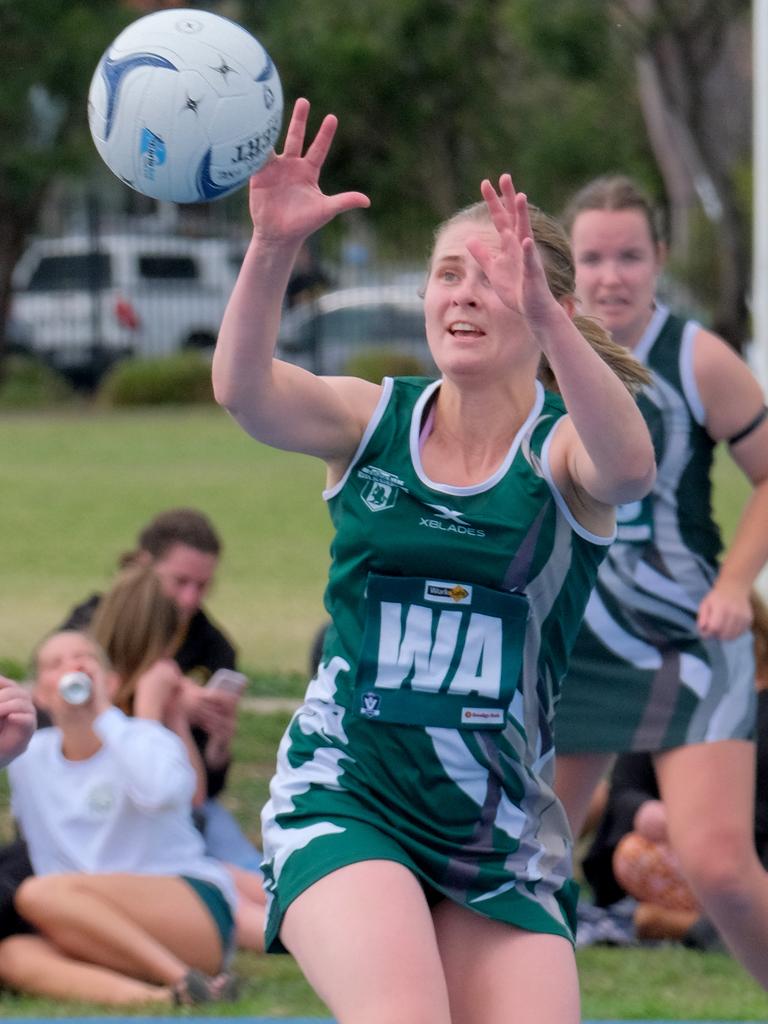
pixel 412 649
pixel 479 670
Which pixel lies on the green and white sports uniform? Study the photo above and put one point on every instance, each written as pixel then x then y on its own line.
pixel 640 676
pixel 426 736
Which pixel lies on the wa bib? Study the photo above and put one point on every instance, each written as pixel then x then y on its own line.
pixel 439 653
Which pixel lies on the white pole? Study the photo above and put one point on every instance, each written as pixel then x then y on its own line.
pixel 759 352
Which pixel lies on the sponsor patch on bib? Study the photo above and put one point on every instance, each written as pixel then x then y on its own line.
pixel 447 593
pixel 482 716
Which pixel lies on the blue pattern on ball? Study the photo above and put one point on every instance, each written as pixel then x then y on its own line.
pixel 114 71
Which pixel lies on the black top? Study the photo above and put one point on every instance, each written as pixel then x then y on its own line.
pixel 204 650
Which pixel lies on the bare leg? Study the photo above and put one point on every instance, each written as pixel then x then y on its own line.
pixel 248 883
pixel 29 963
pixel 251 908
pixel 576 778
pixel 249 924
pixel 497 973
pixel 708 790
pixel 365 940
pixel 149 927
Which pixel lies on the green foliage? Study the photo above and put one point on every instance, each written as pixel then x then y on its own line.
pixel 50 49
pixel 571 37
pixel 27 383
pixel 12 668
pixel 179 379
pixel 376 363
pixel 434 95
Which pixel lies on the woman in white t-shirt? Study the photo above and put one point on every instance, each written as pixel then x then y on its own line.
pixel 125 905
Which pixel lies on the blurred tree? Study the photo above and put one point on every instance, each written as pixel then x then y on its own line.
pixel 434 95
pixel 48 50
pixel 693 60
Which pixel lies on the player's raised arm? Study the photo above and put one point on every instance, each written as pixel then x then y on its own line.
pixel 276 402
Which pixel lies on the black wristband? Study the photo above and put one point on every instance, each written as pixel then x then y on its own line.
pixel 753 425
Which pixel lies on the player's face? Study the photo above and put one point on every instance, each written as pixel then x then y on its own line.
pixel 617 265
pixel 469 328
pixel 61 653
pixel 186 575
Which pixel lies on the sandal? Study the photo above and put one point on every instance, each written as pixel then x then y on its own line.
pixel 196 988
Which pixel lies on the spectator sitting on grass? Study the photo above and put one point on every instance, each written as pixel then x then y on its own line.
pixel 184 549
pixel 125 905
pixel 137 625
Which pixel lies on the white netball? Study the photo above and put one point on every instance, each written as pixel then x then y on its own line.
pixel 185 105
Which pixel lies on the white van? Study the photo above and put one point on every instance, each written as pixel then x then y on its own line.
pixel 84 302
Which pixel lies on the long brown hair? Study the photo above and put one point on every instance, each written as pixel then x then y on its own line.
pixel 187 526
pixel 136 623
pixel 555 249
pixel 615 192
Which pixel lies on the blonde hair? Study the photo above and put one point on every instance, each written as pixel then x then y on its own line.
pixel 136 623
pixel 555 249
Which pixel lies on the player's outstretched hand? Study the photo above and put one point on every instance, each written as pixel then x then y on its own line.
pixel 514 270
pixel 285 199
pixel 17 720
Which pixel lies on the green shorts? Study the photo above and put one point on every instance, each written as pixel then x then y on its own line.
pixel 220 911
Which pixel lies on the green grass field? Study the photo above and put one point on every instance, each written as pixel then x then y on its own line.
pixel 78 485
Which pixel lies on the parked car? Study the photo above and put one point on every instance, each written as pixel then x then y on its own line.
pixel 324 334
pixel 84 302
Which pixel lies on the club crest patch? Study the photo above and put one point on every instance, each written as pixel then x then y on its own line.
pixel 370 705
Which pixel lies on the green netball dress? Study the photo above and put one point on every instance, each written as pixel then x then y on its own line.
pixel 640 677
pixel 426 736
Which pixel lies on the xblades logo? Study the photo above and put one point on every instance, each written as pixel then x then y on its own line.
pixel 449 520
pixel 449 513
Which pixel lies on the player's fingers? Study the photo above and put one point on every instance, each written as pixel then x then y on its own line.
pixel 348 201
pixel 508 192
pixel 523 218
pixel 498 213
pixel 478 250
pixel 297 127
pixel 318 148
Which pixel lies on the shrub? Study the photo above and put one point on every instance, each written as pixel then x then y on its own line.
pixel 172 380
pixel 375 363
pixel 29 383
pixel 13 669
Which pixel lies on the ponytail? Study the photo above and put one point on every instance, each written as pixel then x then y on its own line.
pixel 629 370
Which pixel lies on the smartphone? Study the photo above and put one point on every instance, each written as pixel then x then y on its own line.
pixel 229 680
